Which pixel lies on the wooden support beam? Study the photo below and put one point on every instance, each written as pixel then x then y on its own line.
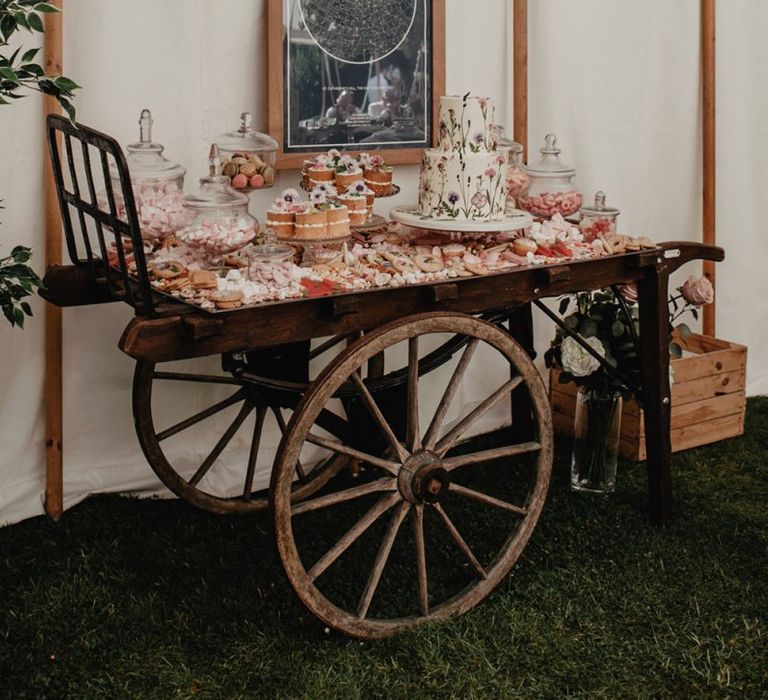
pixel 708 148
pixel 52 388
pixel 520 73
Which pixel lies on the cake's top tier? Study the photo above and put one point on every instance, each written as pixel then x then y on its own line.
pixel 466 124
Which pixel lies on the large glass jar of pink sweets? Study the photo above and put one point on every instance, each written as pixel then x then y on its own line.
pixel 248 156
pixel 219 222
pixel 552 187
pixel 158 185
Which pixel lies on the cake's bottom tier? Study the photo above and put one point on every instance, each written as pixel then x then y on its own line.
pixel 462 186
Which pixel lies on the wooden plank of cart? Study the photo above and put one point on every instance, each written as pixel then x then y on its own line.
pixel 378 461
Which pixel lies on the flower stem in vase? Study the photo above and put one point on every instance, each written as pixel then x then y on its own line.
pixel 596 438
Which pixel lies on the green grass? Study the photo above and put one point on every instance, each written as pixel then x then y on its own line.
pixel 151 599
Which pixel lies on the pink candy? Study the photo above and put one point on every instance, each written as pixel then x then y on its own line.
pixel 218 237
pixel 517 182
pixel 547 204
pixel 159 206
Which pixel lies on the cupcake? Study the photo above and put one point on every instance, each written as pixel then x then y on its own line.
pixel 338 219
pixel 355 202
pixel 378 176
pixel 311 224
pixel 282 214
pixel 345 178
pixel 360 187
pixel 318 173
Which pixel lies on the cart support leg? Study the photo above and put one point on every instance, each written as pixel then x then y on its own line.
pixel 521 329
pixel 654 346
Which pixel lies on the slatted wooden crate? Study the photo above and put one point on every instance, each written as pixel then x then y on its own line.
pixel 708 400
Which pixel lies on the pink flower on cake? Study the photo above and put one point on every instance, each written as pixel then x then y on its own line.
pixel 479 200
pixel 333 154
pixel 375 162
pixel 500 160
pixel 698 291
pixel 490 173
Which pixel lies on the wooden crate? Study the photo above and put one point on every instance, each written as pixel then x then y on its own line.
pixel 708 400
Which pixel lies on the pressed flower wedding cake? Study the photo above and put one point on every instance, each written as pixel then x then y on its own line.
pixel 464 178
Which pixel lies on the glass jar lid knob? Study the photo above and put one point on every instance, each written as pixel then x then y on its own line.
pixel 550 145
pixel 599 200
pixel 246 123
pixel 214 169
pixel 145 135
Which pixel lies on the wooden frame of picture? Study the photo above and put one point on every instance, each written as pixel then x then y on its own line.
pixel 289 157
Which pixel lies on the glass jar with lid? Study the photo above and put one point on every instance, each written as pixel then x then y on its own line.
pixel 158 185
pixel 248 156
pixel 599 220
pixel 219 222
pixel 517 179
pixel 552 188
pixel 271 264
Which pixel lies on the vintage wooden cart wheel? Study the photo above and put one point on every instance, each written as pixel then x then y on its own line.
pixel 472 507
pixel 244 403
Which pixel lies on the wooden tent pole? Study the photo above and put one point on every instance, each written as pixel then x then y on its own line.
pixel 52 389
pixel 708 147
pixel 520 73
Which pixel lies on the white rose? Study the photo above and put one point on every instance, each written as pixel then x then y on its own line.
pixel 577 360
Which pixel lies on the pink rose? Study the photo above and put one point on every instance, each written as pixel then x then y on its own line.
pixel 698 291
pixel 628 292
pixel 375 162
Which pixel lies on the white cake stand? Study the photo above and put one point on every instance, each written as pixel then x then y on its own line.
pixel 409 215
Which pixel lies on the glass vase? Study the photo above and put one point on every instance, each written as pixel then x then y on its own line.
pixel 597 425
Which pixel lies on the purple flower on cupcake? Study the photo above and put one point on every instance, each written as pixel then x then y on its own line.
pixel 318 196
pixel 290 196
pixel 360 187
pixel 326 188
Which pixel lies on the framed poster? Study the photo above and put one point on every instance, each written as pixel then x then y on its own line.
pixel 354 75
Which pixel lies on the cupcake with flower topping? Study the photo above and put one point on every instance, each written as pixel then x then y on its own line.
pixel 360 187
pixel 337 216
pixel 378 176
pixel 281 215
pixel 347 171
pixel 357 205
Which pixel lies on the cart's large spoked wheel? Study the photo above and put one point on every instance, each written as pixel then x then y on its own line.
pixel 202 432
pixel 471 503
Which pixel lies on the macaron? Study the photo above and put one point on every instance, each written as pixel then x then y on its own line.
pixel 257 181
pixel 239 181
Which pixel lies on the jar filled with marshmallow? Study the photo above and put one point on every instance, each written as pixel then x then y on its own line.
pixel 599 220
pixel 271 264
pixel 219 220
pixel 552 187
pixel 248 156
pixel 158 185
pixel 517 179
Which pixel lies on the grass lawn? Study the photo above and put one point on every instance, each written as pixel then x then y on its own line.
pixel 151 599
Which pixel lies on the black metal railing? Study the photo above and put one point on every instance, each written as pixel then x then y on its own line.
pixel 106 239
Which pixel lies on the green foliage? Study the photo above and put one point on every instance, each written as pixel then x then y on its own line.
pixel 17 281
pixel 19 72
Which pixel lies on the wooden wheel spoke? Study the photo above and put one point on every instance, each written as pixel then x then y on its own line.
pixel 450 463
pixel 453 385
pixel 221 444
pixel 421 558
pixel 261 412
pixel 459 540
pixel 447 441
pixel 486 499
pixel 201 416
pixel 340 448
pixel 281 425
pixel 379 417
pixel 381 559
pixel 385 484
pixel 413 438
pixel 349 538
pixel 199 378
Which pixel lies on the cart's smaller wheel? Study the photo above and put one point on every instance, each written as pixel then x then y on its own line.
pixel 472 506
pixel 162 415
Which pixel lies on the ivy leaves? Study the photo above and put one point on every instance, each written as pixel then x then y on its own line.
pixel 19 71
pixel 17 281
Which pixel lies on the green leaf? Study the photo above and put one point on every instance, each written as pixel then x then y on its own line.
pixel 65 84
pixel 564 302
pixel 695 313
pixel 588 328
pixel 26 308
pixel 20 254
pixel 35 23
pixel 8 313
pixel 18 315
pixel 617 329
pixel 33 69
pixel 565 377
pixel 675 350
pixel 9 74
pixel 45 7
pixel 571 322
pixel 684 330
pixel 28 56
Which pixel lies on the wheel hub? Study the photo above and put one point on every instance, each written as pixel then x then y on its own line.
pixel 422 478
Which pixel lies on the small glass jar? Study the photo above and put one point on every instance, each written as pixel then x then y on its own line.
pixel 271 264
pixel 598 220
pixel 158 185
pixel 248 156
pixel 218 215
pixel 552 188
pixel 517 179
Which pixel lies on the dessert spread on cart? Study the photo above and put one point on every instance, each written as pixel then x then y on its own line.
pixel 479 212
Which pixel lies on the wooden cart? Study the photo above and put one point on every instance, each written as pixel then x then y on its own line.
pixel 379 457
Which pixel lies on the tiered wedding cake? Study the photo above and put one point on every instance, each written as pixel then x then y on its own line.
pixel 464 178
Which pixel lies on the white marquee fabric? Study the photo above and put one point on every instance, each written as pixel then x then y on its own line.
pixel 617 80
